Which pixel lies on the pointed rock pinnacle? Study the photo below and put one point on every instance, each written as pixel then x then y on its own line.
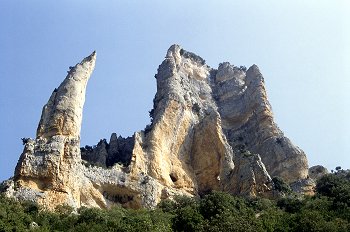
pixel 62 115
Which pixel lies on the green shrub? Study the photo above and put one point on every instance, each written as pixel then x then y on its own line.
pixel 281 185
pixel 328 210
pixel 335 186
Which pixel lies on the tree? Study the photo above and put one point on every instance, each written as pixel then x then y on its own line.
pixel 281 185
pixel 336 187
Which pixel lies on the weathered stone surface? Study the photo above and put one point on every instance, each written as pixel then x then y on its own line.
pixel 250 176
pixel 211 130
pixel 247 122
pixel 62 115
pixel 49 170
pixel 304 186
pixel 316 172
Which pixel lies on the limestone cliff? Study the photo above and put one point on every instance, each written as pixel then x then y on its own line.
pixel 212 129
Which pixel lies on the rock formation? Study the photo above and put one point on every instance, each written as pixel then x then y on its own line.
pixel 212 129
pixel 316 172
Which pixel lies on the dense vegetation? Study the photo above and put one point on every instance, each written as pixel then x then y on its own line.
pixel 328 210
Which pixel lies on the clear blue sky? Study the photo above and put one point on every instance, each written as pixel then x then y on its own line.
pixel 301 47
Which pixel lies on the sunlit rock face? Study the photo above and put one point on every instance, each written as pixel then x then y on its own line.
pixel 49 170
pixel 212 129
pixel 62 114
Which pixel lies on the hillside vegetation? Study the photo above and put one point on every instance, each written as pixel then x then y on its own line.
pixel 328 210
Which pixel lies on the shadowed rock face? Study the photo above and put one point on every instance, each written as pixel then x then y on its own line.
pixel 247 121
pixel 117 151
pixel 212 129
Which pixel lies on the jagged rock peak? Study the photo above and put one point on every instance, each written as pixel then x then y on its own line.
pixel 62 115
pixel 175 51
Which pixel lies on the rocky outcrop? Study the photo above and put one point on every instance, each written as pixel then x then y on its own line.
pixel 316 172
pixel 304 186
pixel 212 129
pixel 118 150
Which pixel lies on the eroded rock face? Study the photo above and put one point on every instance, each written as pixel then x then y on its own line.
pixel 248 124
pixel 49 170
pixel 211 130
pixel 62 115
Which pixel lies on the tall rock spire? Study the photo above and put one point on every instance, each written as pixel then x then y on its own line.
pixel 62 115
pixel 49 170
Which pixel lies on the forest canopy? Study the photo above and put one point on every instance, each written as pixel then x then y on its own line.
pixel 328 210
